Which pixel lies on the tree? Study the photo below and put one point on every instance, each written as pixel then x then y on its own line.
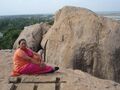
pixel 9 38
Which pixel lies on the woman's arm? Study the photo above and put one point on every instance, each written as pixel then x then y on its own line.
pixel 30 59
pixel 23 55
pixel 40 56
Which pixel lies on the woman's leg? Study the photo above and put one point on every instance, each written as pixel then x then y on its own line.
pixel 35 69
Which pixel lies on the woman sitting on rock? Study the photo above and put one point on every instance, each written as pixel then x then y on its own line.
pixel 27 61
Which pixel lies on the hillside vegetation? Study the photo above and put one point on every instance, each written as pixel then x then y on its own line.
pixel 11 26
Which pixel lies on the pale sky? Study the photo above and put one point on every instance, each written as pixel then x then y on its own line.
pixel 16 7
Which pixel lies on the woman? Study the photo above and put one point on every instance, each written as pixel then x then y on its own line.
pixel 28 62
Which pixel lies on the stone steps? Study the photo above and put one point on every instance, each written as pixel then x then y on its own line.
pixel 34 83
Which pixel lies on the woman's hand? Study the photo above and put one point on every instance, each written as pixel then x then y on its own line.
pixel 35 62
pixel 42 64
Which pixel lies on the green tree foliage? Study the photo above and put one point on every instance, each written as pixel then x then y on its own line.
pixel 9 38
pixel 12 26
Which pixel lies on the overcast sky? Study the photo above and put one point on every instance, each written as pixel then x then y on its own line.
pixel 16 7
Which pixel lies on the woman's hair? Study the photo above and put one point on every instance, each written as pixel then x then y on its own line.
pixel 21 40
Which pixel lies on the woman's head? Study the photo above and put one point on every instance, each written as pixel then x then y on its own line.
pixel 22 43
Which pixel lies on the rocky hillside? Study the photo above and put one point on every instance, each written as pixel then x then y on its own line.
pixel 75 79
pixel 33 34
pixel 80 39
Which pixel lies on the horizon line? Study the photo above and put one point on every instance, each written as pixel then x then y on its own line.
pixel 26 14
pixel 48 13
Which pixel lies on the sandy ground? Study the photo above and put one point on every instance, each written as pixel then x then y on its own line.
pixel 5 65
pixel 76 79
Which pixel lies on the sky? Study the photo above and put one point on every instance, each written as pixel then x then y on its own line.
pixel 18 7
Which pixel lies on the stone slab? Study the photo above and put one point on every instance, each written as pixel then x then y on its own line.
pixel 13 79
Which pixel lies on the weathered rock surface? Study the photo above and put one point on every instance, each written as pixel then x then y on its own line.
pixel 81 39
pixel 33 34
pixel 75 79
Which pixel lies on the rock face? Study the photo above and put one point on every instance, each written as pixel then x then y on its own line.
pixel 75 79
pixel 33 34
pixel 80 39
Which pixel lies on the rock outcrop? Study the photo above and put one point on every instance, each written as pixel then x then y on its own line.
pixel 33 34
pixel 75 79
pixel 80 39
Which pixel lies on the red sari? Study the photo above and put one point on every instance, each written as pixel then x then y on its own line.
pixel 22 66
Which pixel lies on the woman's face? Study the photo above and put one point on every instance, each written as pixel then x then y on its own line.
pixel 23 44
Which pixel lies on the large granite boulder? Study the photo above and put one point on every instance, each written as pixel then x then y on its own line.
pixel 33 34
pixel 80 39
